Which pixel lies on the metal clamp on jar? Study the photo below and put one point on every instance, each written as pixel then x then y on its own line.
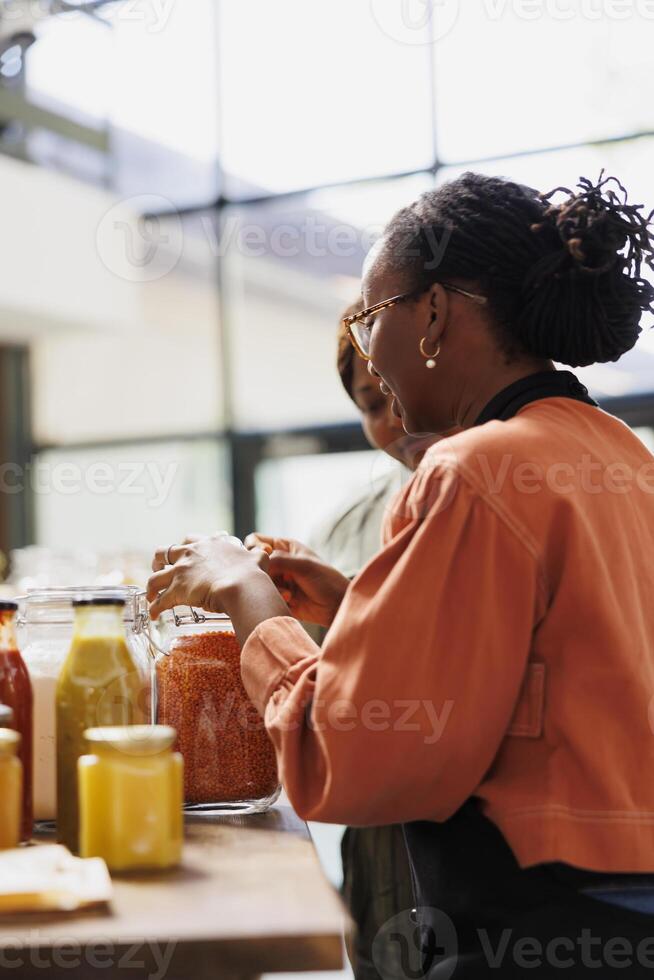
pixel 229 760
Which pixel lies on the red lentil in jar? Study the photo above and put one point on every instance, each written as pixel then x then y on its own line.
pixel 229 760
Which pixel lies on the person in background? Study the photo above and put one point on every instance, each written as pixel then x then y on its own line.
pixel 350 538
pixel 376 875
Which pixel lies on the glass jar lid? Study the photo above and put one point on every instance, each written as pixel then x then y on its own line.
pixel 98 600
pixel 132 739
pixel 52 607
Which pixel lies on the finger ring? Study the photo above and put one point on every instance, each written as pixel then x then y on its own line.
pixel 169 560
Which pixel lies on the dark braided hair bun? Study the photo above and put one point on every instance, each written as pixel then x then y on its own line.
pixel 563 280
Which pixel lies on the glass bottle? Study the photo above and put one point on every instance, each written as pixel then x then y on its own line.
pixel 11 788
pixel 16 693
pixel 229 760
pixel 45 627
pixel 99 684
pixel 131 792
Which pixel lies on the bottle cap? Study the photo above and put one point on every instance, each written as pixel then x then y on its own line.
pixel 132 739
pixel 99 600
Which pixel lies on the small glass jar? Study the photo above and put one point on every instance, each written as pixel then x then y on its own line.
pixel 229 760
pixel 11 788
pixel 131 796
pixel 45 628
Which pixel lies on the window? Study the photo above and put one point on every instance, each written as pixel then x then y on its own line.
pixel 99 386
pixel 165 90
pixel 289 271
pixel 130 498
pixel 287 133
pixel 314 93
pixel 297 494
pixel 521 76
pixel 143 78
pixel 70 66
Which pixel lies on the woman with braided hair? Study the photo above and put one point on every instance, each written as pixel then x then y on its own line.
pixel 487 680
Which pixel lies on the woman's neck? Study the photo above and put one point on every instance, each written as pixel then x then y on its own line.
pixel 475 399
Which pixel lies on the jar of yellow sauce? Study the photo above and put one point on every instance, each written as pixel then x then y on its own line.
pixel 11 788
pixel 131 792
pixel 100 684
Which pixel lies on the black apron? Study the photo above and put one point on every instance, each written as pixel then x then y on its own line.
pixel 478 914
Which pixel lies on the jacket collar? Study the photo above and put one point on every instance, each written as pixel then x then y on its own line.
pixel 543 384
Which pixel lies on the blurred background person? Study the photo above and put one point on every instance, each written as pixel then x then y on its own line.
pixel 351 536
pixel 376 875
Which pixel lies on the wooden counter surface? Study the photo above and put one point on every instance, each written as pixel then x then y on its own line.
pixel 250 897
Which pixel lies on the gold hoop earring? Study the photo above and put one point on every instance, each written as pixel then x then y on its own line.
pixel 430 359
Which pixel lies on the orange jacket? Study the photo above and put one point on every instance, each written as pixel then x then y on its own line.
pixel 500 646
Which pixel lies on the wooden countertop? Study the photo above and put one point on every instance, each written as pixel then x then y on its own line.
pixel 250 897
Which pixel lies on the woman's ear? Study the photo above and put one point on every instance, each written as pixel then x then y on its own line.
pixel 438 313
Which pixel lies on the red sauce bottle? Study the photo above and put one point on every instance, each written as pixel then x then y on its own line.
pixel 16 692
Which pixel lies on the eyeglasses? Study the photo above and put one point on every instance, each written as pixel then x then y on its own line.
pixel 359 325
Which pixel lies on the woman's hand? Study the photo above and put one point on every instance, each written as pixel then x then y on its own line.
pixel 312 589
pixel 217 574
pixel 286 546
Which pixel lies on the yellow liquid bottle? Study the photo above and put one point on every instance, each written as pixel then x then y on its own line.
pixel 11 788
pixel 99 685
pixel 131 792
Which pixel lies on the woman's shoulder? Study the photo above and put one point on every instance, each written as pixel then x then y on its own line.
pixel 544 428
pixel 542 454
pixel 483 459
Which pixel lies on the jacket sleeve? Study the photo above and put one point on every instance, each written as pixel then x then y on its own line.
pixel 402 712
